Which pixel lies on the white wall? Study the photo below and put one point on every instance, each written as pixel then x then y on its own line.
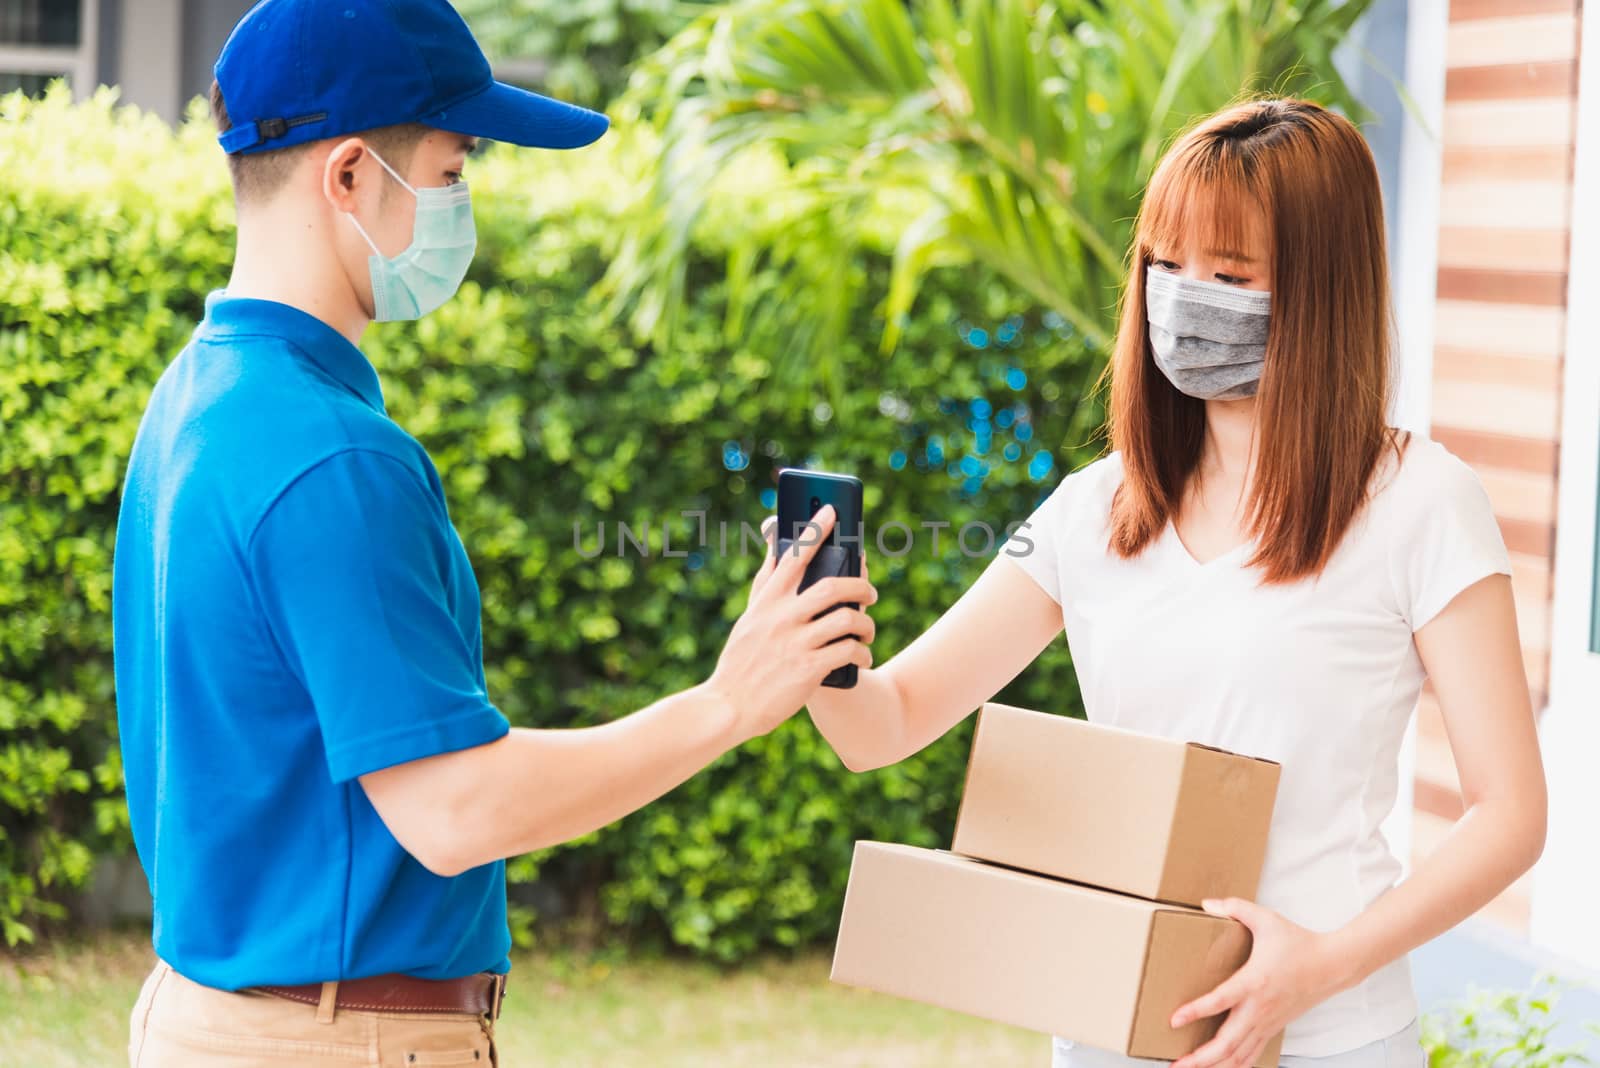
pixel 148 55
pixel 1566 883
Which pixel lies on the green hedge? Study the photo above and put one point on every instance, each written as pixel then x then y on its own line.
pixel 539 413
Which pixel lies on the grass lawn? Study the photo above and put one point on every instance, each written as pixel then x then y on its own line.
pixel 68 1006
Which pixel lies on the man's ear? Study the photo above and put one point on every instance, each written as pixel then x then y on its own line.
pixel 340 175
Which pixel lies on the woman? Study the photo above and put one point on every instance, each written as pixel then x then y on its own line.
pixel 1262 564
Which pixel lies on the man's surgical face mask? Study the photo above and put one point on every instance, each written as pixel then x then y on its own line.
pixel 1208 338
pixel 427 272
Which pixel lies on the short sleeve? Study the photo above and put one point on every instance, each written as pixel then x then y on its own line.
pixel 352 565
pixel 1451 540
pixel 1034 544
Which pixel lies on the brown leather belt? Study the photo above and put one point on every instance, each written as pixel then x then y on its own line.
pixel 473 995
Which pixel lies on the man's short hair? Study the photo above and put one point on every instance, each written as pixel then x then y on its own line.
pixel 257 176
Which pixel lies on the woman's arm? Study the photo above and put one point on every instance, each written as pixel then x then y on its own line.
pixel 1473 656
pixel 997 628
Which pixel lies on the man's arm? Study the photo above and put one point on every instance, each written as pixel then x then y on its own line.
pixel 534 788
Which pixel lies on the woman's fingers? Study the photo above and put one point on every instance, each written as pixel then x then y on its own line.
pixel 839 622
pixel 1225 996
pixel 841 654
pixel 1236 1037
pixel 796 557
pixel 825 593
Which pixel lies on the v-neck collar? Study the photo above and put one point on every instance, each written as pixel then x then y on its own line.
pixel 1238 552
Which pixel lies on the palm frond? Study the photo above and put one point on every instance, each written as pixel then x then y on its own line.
pixel 1025 130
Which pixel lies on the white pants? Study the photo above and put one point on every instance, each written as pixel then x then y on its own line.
pixel 1403 1049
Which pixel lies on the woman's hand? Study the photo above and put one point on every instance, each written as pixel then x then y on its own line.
pixel 1290 970
pixel 822 691
pixel 784 643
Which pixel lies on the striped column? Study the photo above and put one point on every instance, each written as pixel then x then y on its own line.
pixel 1504 219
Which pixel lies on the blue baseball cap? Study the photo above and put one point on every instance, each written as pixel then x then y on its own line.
pixel 301 70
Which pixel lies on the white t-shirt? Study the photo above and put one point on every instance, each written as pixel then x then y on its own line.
pixel 1320 675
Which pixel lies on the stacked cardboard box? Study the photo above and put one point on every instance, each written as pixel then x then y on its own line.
pixel 1068 902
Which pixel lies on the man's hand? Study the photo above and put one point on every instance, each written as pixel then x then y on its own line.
pixel 1290 970
pixel 779 650
pixel 456 810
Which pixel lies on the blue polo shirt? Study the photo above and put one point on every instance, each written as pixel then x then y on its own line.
pixel 292 608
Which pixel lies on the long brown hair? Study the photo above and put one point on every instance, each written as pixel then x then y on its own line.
pixel 1325 385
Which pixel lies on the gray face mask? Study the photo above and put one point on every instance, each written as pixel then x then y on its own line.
pixel 1209 339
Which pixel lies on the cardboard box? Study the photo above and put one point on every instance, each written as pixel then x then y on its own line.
pixel 1163 819
pixel 1098 967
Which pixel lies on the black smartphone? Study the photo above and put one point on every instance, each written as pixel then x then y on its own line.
pixel 801 495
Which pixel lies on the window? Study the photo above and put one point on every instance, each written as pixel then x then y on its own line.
pixel 41 40
pixel 1594 601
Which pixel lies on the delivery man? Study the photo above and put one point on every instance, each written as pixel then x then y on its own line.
pixel 321 791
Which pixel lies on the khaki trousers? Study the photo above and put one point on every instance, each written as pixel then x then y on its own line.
pixel 178 1023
